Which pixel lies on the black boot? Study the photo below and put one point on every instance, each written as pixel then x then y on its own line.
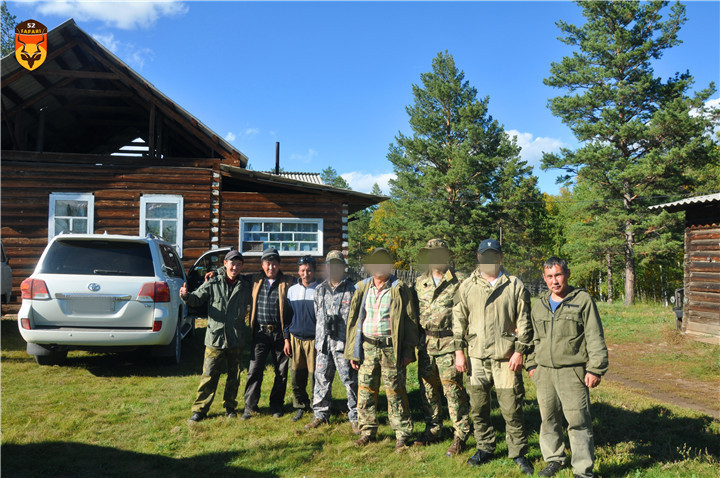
pixel 479 458
pixel 524 465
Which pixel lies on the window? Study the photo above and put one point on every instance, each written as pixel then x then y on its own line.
pixel 98 257
pixel 294 237
pixel 71 213
pixel 171 261
pixel 162 215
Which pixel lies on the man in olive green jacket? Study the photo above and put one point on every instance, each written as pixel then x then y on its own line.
pixel 568 359
pixel 227 296
pixel 491 317
pixel 382 334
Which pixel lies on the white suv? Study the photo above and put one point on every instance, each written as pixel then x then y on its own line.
pixel 104 292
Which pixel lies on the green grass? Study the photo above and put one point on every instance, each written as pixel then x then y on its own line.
pixel 124 415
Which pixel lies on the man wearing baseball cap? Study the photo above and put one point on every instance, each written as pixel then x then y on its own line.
pixel 435 291
pixel 491 318
pixel 332 306
pixel 227 295
pixel 270 312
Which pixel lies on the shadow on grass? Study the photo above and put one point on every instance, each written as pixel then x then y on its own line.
pixel 67 459
pixel 656 434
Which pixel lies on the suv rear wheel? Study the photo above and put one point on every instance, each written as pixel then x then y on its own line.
pixel 170 354
pixel 47 355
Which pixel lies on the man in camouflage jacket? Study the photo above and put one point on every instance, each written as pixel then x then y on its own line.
pixel 435 292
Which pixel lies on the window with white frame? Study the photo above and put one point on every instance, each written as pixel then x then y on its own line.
pixel 291 236
pixel 162 215
pixel 71 213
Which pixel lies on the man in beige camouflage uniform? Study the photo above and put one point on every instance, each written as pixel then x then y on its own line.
pixel 491 317
pixel 436 290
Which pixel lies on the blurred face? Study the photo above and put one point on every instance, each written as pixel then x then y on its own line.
pixel 306 273
pixel 271 269
pixel 233 267
pixel 336 271
pixel 438 260
pixel 557 280
pixel 380 271
pixel 489 262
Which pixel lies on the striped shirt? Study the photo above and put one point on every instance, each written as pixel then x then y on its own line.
pixel 377 311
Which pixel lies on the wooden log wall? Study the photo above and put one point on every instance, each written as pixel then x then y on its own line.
pixel 701 316
pixel 235 205
pixel 26 189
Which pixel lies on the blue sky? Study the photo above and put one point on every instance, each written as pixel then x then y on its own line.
pixel 330 80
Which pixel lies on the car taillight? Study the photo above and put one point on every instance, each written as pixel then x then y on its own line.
pixel 25 323
pixel 154 291
pixel 34 289
pixel 157 325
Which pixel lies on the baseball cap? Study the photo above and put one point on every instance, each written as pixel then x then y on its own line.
pixel 335 256
pixel 270 254
pixel 379 255
pixel 490 244
pixel 233 254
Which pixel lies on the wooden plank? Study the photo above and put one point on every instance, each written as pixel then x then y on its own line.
pixel 703 266
pixel 704 286
pixel 65 73
pixel 691 295
pixel 704 328
pixel 708 233
pixel 52 158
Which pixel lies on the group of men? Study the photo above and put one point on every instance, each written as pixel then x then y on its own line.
pixel 482 326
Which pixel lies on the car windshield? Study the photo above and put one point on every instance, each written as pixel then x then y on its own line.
pixel 99 257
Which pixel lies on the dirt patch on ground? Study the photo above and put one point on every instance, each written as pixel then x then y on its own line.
pixel 631 367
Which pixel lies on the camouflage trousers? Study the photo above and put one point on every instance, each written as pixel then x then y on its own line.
pixel 379 362
pixel 510 391
pixel 213 364
pixel 325 367
pixel 435 371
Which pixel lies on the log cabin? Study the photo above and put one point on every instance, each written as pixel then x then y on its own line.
pixel 90 146
pixel 701 302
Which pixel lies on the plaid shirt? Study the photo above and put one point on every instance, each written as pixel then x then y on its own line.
pixel 377 311
pixel 268 304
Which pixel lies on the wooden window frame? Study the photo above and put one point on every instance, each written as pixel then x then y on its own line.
pixel 179 202
pixel 75 196
pixel 315 220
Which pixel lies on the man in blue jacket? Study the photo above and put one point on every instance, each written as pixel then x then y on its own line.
pixel 300 332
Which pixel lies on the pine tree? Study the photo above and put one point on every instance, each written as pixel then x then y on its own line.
pixel 330 177
pixel 361 238
pixel 9 21
pixel 459 176
pixel 639 135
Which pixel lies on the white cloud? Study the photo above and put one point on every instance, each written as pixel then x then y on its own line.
pixel 251 131
pixel 124 14
pixel 533 147
pixel 363 182
pixel 304 158
pixel 128 52
pixel 230 136
pixel 108 40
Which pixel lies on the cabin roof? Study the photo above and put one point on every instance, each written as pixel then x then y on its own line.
pixel 683 204
pixel 91 102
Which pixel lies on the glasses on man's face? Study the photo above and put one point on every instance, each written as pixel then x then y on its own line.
pixel 306 260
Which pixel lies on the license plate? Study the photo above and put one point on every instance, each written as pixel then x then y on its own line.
pixel 92 306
